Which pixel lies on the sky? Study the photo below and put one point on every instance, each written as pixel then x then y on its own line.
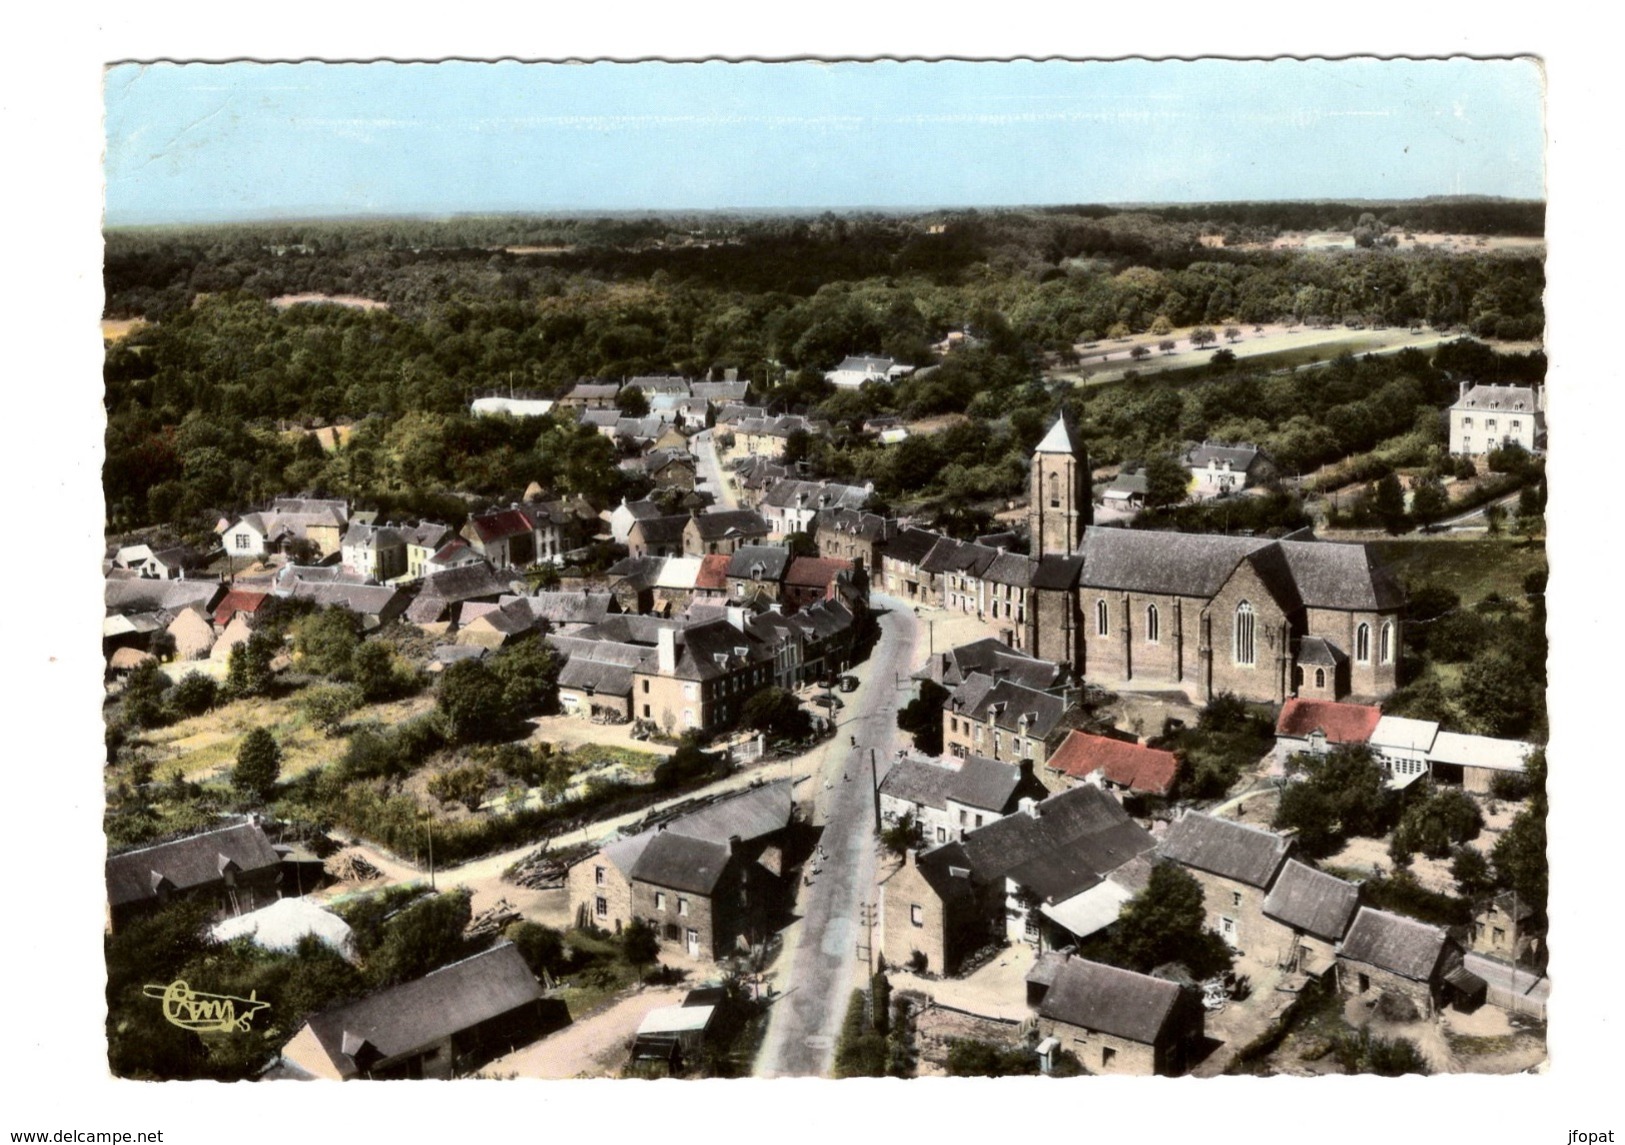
pixel 207 142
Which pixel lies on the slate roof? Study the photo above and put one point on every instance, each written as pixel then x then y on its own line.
pixel 963 557
pixel 730 523
pixel 363 599
pixel 1341 723
pixel 1059 438
pixel 1144 769
pixel 853 523
pixel 1110 1000
pixel 717 392
pixel 759 562
pixel 1318 652
pixel 465 583
pixel 1241 455
pixel 362 535
pixel 992 785
pixel 1312 901
pixel 1486 396
pixel 195 861
pixel 585 391
pixel 911 546
pixel 416 1014
pixel 681 863
pixel 752 814
pixel 1394 943
pixel 1316 574
pixel 660 384
pixel 1225 848
pixel 865 364
pixel 1007 702
pixel 947 870
pixel 817 495
pixel 149 594
pixel 919 781
pixel 666 530
pixel 1012 569
pixel 426 534
pixel 600 418
pixel 1074 841
pixel 1057 572
pixel 994 658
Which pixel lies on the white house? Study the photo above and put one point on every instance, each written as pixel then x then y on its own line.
pixel 514 407
pixel 859 368
pixel 1489 417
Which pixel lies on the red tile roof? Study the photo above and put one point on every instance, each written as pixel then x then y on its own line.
pixel 713 572
pixel 235 601
pixel 815 572
pixel 501 523
pixel 1144 769
pixel 1342 723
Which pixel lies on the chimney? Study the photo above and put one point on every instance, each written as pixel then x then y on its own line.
pixel 736 617
pixel 734 843
pixel 1009 635
pixel 1030 806
pixel 1462 392
pixel 666 651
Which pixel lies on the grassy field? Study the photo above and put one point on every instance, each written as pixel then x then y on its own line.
pixel 1472 568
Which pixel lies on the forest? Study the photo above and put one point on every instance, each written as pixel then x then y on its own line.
pixel 206 396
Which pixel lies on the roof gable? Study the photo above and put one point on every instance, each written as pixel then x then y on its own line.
pixel 1225 848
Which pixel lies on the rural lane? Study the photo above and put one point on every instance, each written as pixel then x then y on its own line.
pixel 822 954
pixel 704 447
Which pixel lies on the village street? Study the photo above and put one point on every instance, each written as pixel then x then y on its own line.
pixel 711 477
pixel 821 949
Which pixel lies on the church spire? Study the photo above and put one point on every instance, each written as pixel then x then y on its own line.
pixel 1059 437
pixel 1059 508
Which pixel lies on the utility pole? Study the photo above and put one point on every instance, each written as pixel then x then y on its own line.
pixel 874 782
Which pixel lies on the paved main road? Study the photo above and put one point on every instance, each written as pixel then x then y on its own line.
pixel 823 958
pixel 704 447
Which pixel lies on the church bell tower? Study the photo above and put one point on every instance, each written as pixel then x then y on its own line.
pixel 1061 506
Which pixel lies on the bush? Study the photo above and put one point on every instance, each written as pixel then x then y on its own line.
pixel 328 705
pixel 194 694
pixel 1385 1057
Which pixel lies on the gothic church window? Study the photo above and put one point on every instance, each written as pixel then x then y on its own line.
pixel 1362 644
pixel 1246 652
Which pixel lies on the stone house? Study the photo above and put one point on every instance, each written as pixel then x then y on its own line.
pixel 1001 881
pixel 1316 909
pixel 1505 928
pixel 437 1026
pixel 423 541
pixel 376 551
pixel 627 514
pixel 658 536
pixel 504 537
pixel 1235 865
pixel 808 580
pixel 709 881
pixel 591 393
pixel 289 521
pixel 595 681
pixel 1387 953
pixel 902 566
pixel 722 531
pixel 1218 468
pixel 853 535
pixel 756 573
pixel 995 717
pixel 1116 1021
pixel 950 798
pixel 234 869
pixel 790 506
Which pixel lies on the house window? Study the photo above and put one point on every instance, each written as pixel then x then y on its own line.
pixel 1498 935
pixel 682 905
pixel 660 900
pixel 645 706
pixel 1235 898
pixel 964 817
pixel 1362 644
pixel 916 914
pixel 645 691
pixel 1490 425
pixel 942 834
pixel 598 875
pixel 1516 426
pixel 1385 644
pixel 1246 653
pixel 1320 677
pixel 600 907
pixel 1153 625
pixel 242 540
pixel 1102 621
pixel 1466 423
pixel 978 820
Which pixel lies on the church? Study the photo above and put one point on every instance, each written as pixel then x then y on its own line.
pixel 1264 619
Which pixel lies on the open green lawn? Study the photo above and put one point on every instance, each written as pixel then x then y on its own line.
pixel 1472 568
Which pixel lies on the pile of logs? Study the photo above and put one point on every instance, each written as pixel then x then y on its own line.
pixel 351 867
pixel 544 869
pixel 491 921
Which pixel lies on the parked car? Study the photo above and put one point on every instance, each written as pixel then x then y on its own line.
pixel 849 683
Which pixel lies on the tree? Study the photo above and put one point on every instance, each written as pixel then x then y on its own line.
pixel 632 402
pixel 1232 334
pixel 1202 336
pixel 528 670
pixel 640 945
pixel 1161 326
pixel 1471 871
pixel 465 785
pixel 470 701
pixel 1429 501
pixel 777 713
pixel 194 694
pixel 1118 330
pixel 372 668
pixel 325 642
pixel 921 717
pixel 1498 695
pixel 903 836
pixel 1167 482
pixel 542 947
pixel 1434 822
pixel 1166 923
pixel 259 765
pixel 144 693
pixel 248 671
pixel 423 937
pixel 1167 345
pixel 328 706
pixel 1343 792
pixel 1139 353
pixel 1389 504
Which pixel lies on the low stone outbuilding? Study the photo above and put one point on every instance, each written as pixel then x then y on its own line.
pixel 1389 953
pixel 1120 1022
pixel 1315 910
